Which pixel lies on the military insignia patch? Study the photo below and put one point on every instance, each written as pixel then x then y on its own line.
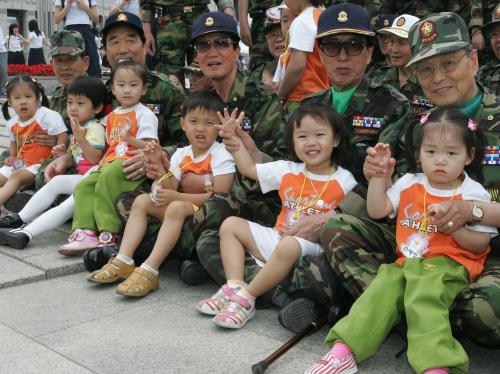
pixel 367 125
pixel 401 21
pixel 342 17
pixel 428 32
pixel 122 18
pixel 209 21
pixel 155 108
pixel 491 155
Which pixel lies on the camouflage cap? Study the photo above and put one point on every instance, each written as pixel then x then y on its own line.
pixel 439 33
pixel 495 18
pixel 67 42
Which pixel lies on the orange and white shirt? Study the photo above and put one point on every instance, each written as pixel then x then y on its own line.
pixel 143 125
pixel 22 132
pixel 216 161
pixel 303 31
pixel 289 178
pixel 407 199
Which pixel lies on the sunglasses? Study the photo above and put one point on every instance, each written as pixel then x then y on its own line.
pixel 202 47
pixel 351 47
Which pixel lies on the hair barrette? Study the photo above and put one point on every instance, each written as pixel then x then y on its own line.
pixel 424 118
pixel 472 125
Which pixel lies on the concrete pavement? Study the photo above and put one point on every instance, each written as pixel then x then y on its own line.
pixel 53 321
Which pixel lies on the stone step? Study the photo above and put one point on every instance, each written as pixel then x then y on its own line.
pixel 38 261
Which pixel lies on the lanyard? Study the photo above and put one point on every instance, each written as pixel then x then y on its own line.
pixel 424 223
pixel 19 149
pixel 299 208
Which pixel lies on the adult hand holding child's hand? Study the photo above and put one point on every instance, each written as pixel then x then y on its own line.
pixel 58 150
pixel 459 212
pixel 308 226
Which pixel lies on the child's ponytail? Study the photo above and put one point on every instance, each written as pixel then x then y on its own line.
pixel 5 110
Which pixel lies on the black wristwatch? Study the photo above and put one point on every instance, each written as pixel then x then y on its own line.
pixel 477 212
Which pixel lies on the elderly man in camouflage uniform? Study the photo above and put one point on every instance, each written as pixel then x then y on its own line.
pixel 445 64
pixel 399 53
pixel 169 21
pixel 489 74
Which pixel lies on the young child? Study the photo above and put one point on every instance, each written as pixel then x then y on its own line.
pixel 315 186
pixel 287 17
pixel 305 73
pixel 85 101
pixel 130 126
pixel 204 157
pixel 432 267
pixel 24 95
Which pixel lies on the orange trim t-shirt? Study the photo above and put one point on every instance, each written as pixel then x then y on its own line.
pixel 407 199
pixel 302 33
pixel 288 178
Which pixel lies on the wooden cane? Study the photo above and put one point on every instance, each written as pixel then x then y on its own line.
pixel 313 326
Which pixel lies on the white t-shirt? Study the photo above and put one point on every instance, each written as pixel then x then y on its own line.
pixel 75 15
pixel 13 43
pixel 2 45
pixel 303 31
pixel 146 121
pixel 36 40
pixel 48 120
pixel 132 7
pixel 216 161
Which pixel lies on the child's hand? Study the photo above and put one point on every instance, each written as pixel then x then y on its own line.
pixel 165 196
pixel 229 123
pixel 8 161
pixel 153 151
pixel 58 150
pixel 380 155
pixel 78 131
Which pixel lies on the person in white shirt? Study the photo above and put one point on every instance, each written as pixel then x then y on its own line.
pixel 36 40
pixel 15 45
pixel 3 65
pixel 131 6
pixel 78 15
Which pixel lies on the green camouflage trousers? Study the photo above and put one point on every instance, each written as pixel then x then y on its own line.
pixel 355 248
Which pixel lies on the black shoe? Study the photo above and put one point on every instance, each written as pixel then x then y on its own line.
pixel 192 273
pixel 11 221
pixel 297 315
pixel 96 258
pixel 17 202
pixel 14 238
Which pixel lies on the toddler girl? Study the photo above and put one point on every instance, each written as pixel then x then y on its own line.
pixel 432 267
pixel 85 101
pixel 316 185
pixel 24 95
pixel 130 126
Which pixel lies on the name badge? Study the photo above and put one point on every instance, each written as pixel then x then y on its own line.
pixel 415 246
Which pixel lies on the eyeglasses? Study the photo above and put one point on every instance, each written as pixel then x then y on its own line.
pixel 446 66
pixel 351 47
pixel 202 47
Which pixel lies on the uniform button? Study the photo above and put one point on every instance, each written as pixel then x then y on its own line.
pixel 235 99
pixel 490 117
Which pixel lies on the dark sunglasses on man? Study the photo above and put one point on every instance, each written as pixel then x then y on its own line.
pixel 351 47
pixel 222 43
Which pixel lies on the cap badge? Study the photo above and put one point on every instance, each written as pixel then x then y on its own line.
pixel 342 17
pixel 122 17
pixel 401 22
pixel 386 22
pixel 428 32
pixel 209 21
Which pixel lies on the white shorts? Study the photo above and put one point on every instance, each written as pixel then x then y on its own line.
pixel 7 171
pixel 267 238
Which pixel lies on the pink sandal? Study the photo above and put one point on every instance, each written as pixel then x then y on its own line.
pixel 236 313
pixel 78 242
pixel 216 302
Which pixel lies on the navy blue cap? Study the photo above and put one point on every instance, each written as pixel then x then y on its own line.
pixel 123 18
pixel 344 18
pixel 384 21
pixel 214 22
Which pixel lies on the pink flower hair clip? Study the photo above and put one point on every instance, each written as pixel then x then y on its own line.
pixel 472 125
pixel 424 118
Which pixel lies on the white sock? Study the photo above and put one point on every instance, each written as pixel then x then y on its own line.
pixel 150 269
pixel 125 259
pixel 236 284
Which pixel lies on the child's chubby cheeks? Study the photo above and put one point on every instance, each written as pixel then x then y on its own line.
pixel 201 129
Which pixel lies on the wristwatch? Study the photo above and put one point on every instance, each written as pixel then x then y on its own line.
pixel 477 212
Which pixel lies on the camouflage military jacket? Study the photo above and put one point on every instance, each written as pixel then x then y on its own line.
pixel 57 102
pixel 372 6
pixel 375 113
pixel 165 100
pixel 263 114
pixel 261 5
pixel 489 76
pixel 488 117
pixel 411 89
pixel 424 8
